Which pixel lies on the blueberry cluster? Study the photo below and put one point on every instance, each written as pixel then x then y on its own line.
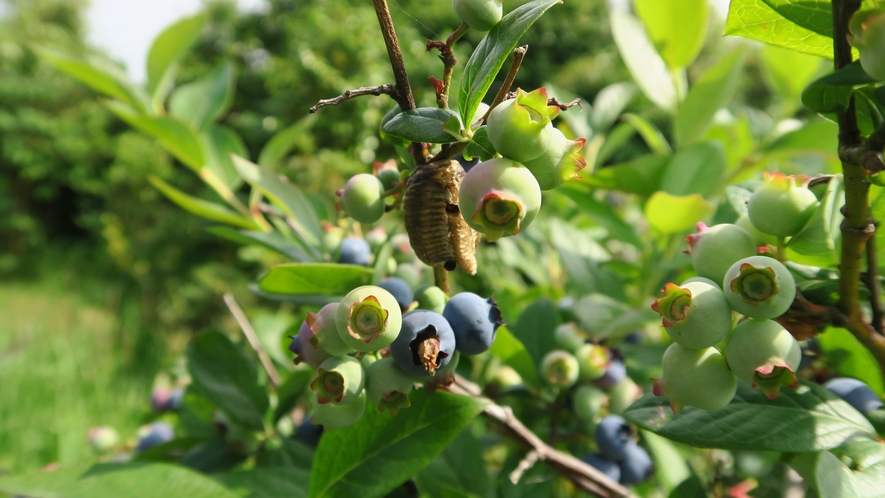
pixel 380 340
pixel 619 457
pixel 698 313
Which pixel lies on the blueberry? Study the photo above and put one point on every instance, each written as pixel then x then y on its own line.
pixel 474 321
pixel 308 434
pixel 855 393
pixel 425 343
pixel 176 397
pixel 431 297
pixel 363 198
pixel 636 467
pixel 354 252
pixel 615 373
pixel 153 435
pixel 613 436
pixel 611 469
pixel 400 290
pixel 303 347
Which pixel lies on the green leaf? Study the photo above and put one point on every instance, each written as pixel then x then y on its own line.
pixel 614 141
pixel 813 15
pixel 602 213
pixel 488 57
pixel 641 176
pixel 817 137
pixel 670 466
pixel 273 482
pixel 201 208
pixel 650 133
pixel 380 452
pixel 100 76
pixel 271 240
pixel 697 169
pixel 480 146
pixel 757 20
pixel 609 103
pixel 669 214
pixel 424 124
pixel 327 279
pixel 291 390
pixel 219 143
pixel 224 377
pixel 167 49
pixel 204 101
pixel 832 92
pixel 808 418
pixel 382 258
pixel 644 63
pixel 706 96
pixel 819 243
pixel 847 357
pixel 790 71
pixel 174 135
pixel 132 480
pixel 513 353
pixel 828 474
pixel 677 27
pixel 535 328
pixel 287 197
pixel 293 137
pixel 458 471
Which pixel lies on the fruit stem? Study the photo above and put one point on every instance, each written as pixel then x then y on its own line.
pixel 518 56
pixel 782 249
pixel 441 279
pixel 871 279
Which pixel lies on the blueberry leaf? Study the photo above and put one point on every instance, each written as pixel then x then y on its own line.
pixel 765 21
pixel 327 279
pixel 424 124
pixel 808 418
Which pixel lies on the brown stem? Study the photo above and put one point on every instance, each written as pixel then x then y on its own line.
pixel 388 89
pixel 249 332
pixel 518 56
pixel 447 56
pixel 856 228
pixel 585 477
pixel 871 279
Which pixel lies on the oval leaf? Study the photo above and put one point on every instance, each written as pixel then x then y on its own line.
pixel 327 279
pixel 174 135
pixel 643 61
pixel 424 124
pixel 677 27
pixel 380 452
pixel 669 213
pixel 99 76
pixel 488 57
pixel 204 101
pixel 167 49
pixel 513 353
pixel 201 208
pixel 808 418
pixel 757 20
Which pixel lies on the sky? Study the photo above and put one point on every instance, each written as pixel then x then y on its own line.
pixel 125 28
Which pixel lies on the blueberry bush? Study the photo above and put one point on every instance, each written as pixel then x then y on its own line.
pixel 512 305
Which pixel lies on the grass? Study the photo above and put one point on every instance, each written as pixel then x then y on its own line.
pixel 65 366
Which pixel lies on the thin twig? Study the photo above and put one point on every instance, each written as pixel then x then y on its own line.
pixel 441 279
pixel 388 89
pixel 584 476
pixel 518 56
pixel 249 332
pixel 447 56
pixel 531 458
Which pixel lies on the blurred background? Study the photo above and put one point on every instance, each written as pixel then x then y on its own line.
pixel 103 280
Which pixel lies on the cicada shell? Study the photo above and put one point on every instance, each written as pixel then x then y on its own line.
pixel 437 232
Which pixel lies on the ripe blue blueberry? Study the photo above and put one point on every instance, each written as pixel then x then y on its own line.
pixel 307 433
pixel 613 436
pixel 608 467
pixel 153 435
pixel 615 373
pixel 400 291
pixel 855 393
pixel 304 349
pixel 636 466
pixel 354 252
pixel 474 321
pixel 425 343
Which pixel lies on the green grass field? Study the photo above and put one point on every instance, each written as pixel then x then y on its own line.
pixel 65 366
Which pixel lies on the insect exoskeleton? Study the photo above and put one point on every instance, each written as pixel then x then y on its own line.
pixel 437 232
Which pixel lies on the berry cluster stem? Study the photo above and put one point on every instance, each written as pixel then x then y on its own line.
pixel 857 228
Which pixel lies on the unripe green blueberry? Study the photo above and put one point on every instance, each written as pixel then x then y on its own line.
pixel 520 128
pixel 431 297
pixel 760 238
pixel 368 318
pixel 363 198
pixel 560 162
pixel 622 395
pixel 695 315
pixel 569 337
pixel 103 439
pixel 868 35
pixel 499 197
pixel 376 238
pixel 763 353
pixel 388 386
pixel 325 331
pixel 560 369
pixel 779 207
pixel 339 380
pixel 389 177
pixel 714 249
pixel 593 361
pixel 695 377
pixel 759 287
pixel 481 15
pixel 588 401
pixel 506 376
pixel 336 416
